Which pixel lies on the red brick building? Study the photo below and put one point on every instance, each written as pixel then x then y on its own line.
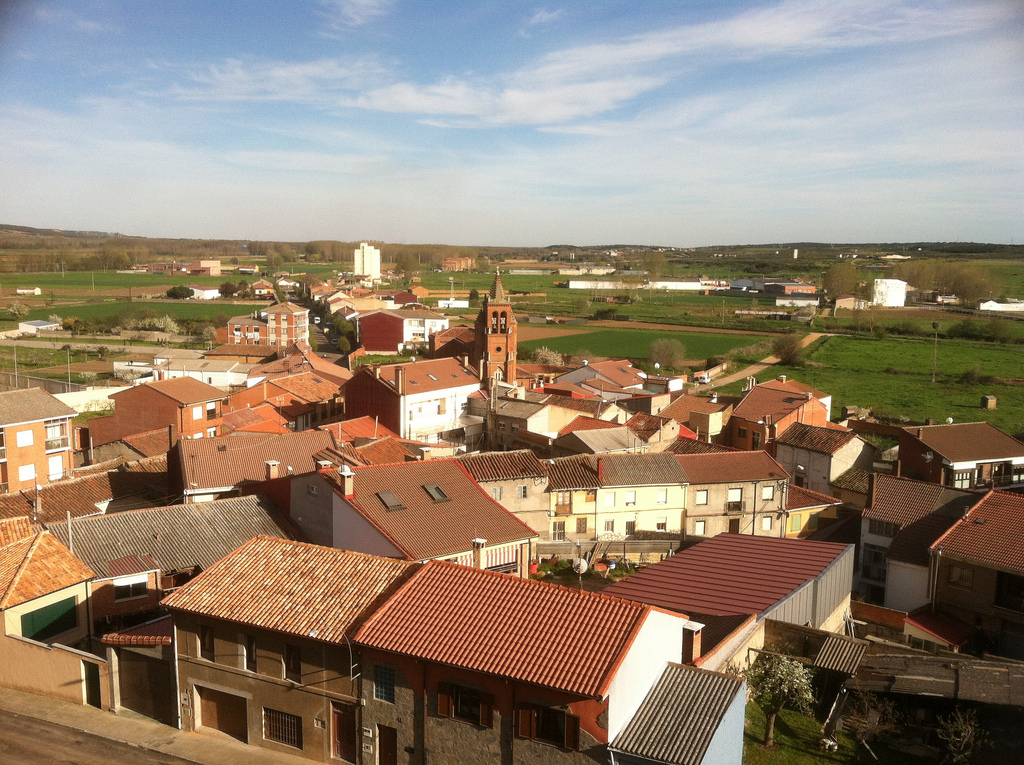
pixel 35 443
pixel 280 325
pixel 496 336
pixel 192 407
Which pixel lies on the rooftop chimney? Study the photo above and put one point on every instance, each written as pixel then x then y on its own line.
pixel 400 379
pixel 348 480
pixel 782 378
pixel 172 436
pixel 273 469
pixel 691 642
pixel 478 552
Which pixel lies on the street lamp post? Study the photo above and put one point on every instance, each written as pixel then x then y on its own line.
pixel 935 351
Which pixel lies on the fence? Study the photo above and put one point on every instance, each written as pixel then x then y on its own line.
pixel 8 381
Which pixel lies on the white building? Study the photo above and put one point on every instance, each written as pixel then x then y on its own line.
pixel 889 293
pixel 204 293
pixel 367 261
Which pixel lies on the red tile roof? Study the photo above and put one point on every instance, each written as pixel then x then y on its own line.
pixel 905 501
pixel 800 498
pixel 299 589
pixel 359 427
pixel 684 406
pixel 968 441
pixel 619 371
pixel 308 386
pixel 152 443
pixel 775 399
pixel 728 467
pixel 946 628
pixel 255 420
pixel 157 632
pixel 82 496
pixel 36 566
pixel 816 439
pixel 424 528
pixel 582 422
pixel 430 375
pixel 730 574
pixel 184 390
pixel 647 425
pixel 521 629
pixel 503 466
pixel 211 463
pixel 14 529
pixel 991 533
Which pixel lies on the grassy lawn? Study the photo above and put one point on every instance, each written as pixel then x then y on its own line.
pixel 635 343
pixel 893 377
pixel 797 737
pixel 177 309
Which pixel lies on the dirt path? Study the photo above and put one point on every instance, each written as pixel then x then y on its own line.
pixel 755 369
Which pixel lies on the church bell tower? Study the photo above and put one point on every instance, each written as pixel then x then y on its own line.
pixel 495 341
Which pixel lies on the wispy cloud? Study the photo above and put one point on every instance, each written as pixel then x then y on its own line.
pixel 341 16
pixel 70 20
pixel 544 16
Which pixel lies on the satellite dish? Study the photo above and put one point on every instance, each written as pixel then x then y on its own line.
pixel 580 566
pixel 949 420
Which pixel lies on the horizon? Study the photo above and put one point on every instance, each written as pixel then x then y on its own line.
pixel 803 121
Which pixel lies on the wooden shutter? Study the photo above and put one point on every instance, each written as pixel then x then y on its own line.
pixel 445 705
pixel 572 731
pixel 486 712
pixel 527 722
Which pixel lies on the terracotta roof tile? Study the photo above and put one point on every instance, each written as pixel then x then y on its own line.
pixel 774 398
pixel 583 422
pixel 260 419
pixel 855 479
pixel 299 589
pixel 990 533
pixel 386 451
pixel 14 529
pixel 815 439
pixel 905 501
pixel 968 441
pixel 211 463
pixel 184 390
pixel 503 466
pixel 800 498
pixel 82 496
pixel 725 467
pixel 681 409
pixel 506 626
pixel 619 372
pixel 308 386
pixel 646 425
pixel 588 471
pixel 151 443
pixel 430 375
pixel 726 574
pixel 692 446
pixel 35 566
pixel 425 528
pixel 157 632
pixel 360 427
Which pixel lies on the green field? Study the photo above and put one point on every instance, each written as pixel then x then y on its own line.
pixel 635 343
pixel 176 309
pixel 893 377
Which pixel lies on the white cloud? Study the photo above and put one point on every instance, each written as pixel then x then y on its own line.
pixel 544 16
pixel 341 16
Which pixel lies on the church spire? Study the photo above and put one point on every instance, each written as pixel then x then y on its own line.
pixel 497 293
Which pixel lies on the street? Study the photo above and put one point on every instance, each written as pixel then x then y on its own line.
pixel 28 741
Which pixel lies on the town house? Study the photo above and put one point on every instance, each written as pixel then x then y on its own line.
pixel 517 480
pixel 967 455
pixel 769 408
pixel 35 439
pixel 816 456
pixel 399 329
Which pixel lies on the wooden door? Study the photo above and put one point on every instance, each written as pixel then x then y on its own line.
pixel 344 732
pixel 734 525
pixel 224 712
pixel 387 745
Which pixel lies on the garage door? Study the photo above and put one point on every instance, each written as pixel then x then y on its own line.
pixel 224 712
pixel 147 685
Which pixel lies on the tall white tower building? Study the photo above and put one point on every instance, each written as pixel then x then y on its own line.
pixel 367 261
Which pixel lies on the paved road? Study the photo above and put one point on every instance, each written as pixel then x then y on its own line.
pixel 28 741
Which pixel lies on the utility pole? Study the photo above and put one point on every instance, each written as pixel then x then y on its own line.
pixel 935 352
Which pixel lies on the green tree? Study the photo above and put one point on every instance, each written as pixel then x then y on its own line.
pixel 789 349
pixel 408 263
pixel 776 681
pixel 840 280
pixel 474 297
pixel 180 292
pixel 344 346
pixel 667 352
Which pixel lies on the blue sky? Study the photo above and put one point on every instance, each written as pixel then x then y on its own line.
pixel 500 122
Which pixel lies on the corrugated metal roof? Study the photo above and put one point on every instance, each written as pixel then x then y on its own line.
pixel 82 496
pixel 176 537
pixel 730 574
pixel 679 717
pixel 689 445
pixel 521 629
pixel 209 463
pixel 299 589
pixel 841 654
pixel 425 528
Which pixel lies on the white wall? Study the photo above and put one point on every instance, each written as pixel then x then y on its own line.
pixel 659 641
pixel 906 586
pixel 91 400
pixel 726 747
pixel 353 532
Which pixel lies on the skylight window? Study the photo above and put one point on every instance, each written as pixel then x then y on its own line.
pixel 436 492
pixel 432 377
pixel 390 500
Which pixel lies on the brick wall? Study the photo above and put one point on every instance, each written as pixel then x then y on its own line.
pixel 31 452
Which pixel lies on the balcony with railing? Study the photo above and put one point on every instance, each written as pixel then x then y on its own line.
pixel 734 508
